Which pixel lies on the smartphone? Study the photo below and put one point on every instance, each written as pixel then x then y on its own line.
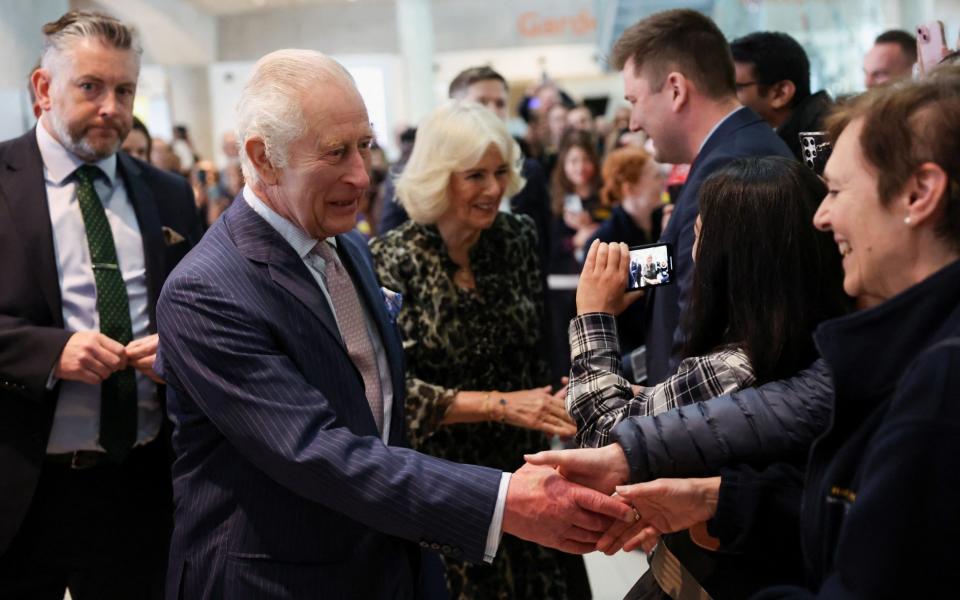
pixel 650 265
pixel 816 148
pixel 931 45
pixel 572 204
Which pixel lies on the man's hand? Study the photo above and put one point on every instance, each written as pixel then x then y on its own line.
pixel 599 468
pixel 538 409
pixel 142 353
pixel 90 357
pixel 604 280
pixel 665 506
pixel 544 508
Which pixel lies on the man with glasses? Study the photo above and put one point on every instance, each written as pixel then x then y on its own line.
pixel 773 78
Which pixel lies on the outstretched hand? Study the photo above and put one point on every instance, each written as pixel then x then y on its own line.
pixel 603 281
pixel 538 409
pixel 599 468
pixel 664 506
pixel 544 508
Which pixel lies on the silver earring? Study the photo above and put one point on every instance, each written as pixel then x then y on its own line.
pixel 907 221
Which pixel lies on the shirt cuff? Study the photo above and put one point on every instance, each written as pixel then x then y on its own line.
pixel 593 332
pixel 496 524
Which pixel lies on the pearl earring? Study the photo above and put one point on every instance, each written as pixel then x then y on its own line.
pixel 907 221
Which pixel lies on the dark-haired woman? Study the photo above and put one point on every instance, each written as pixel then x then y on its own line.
pixel 764 278
pixel 577 212
pixel 575 201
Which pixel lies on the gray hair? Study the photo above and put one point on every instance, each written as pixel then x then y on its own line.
pixel 78 25
pixel 271 104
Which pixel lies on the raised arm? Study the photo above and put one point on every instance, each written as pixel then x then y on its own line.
pixel 776 421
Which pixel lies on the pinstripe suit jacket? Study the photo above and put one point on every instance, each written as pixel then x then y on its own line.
pixel 283 488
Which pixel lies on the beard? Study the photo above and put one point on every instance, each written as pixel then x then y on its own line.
pixel 75 139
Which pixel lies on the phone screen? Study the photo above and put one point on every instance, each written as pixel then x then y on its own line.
pixel 650 265
pixel 572 204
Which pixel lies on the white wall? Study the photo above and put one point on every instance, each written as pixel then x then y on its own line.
pixel 20 45
pixel 375 75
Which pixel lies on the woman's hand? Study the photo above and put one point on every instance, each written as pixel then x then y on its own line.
pixel 603 282
pixel 534 409
pixel 664 506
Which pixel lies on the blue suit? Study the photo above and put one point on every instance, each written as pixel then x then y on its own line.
pixel 283 488
pixel 744 134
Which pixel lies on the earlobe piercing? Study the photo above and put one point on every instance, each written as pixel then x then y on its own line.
pixel 907 221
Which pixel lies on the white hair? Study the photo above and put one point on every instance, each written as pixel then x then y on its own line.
pixel 271 104
pixel 452 138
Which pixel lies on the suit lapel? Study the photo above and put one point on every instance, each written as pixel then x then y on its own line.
pixel 148 218
pixel 741 118
pixel 260 242
pixel 25 192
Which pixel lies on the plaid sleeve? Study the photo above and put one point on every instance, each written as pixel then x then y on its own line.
pixel 598 397
pixel 700 378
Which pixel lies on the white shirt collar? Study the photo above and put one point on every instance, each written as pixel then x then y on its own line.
pixel 59 163
pixel 298 239
pixel 716 127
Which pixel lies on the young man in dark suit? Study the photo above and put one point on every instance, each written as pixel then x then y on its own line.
pixel 88 235
pixel 679 80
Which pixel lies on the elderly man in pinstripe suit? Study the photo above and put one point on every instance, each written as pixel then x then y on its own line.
pixel 285 382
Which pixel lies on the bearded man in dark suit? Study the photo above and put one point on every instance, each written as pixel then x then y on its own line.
pixel 88 235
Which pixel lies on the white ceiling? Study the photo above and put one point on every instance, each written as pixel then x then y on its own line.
pixel 232 7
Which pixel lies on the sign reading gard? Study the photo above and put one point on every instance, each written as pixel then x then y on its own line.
pixel 533 24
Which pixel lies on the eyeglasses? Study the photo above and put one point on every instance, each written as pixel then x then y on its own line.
pixel 740 86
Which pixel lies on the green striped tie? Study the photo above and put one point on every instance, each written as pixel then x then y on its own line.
pixel 118 396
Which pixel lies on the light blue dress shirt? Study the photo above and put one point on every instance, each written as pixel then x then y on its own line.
pixel 76 420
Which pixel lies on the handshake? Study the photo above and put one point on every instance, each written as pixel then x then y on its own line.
pixel 577 501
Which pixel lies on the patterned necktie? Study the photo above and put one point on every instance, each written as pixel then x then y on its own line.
pixel 118 393
pixel 353 327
